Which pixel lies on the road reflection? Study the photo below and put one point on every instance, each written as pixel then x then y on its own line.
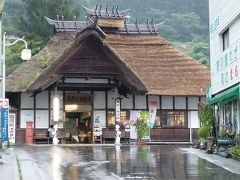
pixel 123 162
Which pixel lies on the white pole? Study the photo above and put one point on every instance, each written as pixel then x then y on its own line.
pixel 149 132
pixel 190 126
pixel 4 67
pixel 1 73
pixel 1 54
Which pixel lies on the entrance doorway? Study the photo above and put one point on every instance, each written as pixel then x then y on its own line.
pixel 82 126
pixel 78 115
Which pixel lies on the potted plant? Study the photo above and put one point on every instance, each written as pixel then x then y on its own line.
pixel 203 132
pixel 206 133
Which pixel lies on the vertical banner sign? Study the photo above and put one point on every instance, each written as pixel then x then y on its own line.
pixel 134 116
pixel 118 109
pixel 4 117
pixel 11 128
pixel 152 113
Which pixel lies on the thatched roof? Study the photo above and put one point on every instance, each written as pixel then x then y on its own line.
pixel 26 74
pixel 162 69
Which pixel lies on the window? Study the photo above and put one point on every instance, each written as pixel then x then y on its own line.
pixel 110 118
pixel 124 119
pixel 225 38
pixel 167 118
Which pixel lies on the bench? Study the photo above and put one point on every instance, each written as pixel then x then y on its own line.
pixel 109 134
pixel 41 136
pixel 61 136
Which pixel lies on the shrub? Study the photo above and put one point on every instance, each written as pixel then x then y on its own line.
pixel 203 132
pixel 235 150
pixel 142 125
pixel 237 138
pixel 206 116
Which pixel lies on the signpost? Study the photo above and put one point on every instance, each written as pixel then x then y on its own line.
pixel 118 117
pixel 118 110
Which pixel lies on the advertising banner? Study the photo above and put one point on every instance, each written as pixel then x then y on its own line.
pixel 4 110
pixel 152 113
pixel 4 119
pixel 134 116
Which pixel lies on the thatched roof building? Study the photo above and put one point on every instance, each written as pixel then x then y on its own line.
pixel 134 55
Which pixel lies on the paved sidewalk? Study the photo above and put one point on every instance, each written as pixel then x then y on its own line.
pixel 18 165
pixel 29 171
pixel 226 163
pixel 28 167
pixel 8 165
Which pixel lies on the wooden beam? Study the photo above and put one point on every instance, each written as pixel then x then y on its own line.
pixel 86 86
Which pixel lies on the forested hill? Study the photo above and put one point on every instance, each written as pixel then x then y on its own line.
pixel 185 21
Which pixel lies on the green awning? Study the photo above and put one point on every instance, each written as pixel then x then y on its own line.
pixel 225 95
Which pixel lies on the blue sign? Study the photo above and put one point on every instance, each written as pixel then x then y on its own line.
pixel 4 123
pixel 214 25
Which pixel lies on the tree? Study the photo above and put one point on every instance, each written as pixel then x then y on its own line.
pixel 28 20
pixel 206 116
pixel 142 125
pixel 35 23
pixel 201 52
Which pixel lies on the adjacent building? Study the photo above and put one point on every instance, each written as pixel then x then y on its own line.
pixel 90 65
pixel 225 61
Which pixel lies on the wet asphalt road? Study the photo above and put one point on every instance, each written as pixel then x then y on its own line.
pixel 123 162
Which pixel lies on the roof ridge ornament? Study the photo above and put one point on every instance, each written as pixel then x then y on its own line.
pixel 67 26
pixel 113 14
pixel 136 28
pixel 98 19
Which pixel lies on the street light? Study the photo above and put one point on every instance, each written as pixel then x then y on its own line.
pixel 2 3
pixel 25 55
pixel 4 109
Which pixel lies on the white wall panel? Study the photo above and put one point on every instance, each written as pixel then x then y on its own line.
pixel 111 100
pixel 193 119
pixel 167 102
pixel 99 101
pixel 180 102
pixel 153 98
pixel 60 95
pixel 127 103
pixel 42 100
pixel 26 115
pixel 26 101
pixel 193 103
pixel 42 119
pixel 140 102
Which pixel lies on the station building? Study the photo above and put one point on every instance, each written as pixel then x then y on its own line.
pixel 225 61
pixel 89 64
